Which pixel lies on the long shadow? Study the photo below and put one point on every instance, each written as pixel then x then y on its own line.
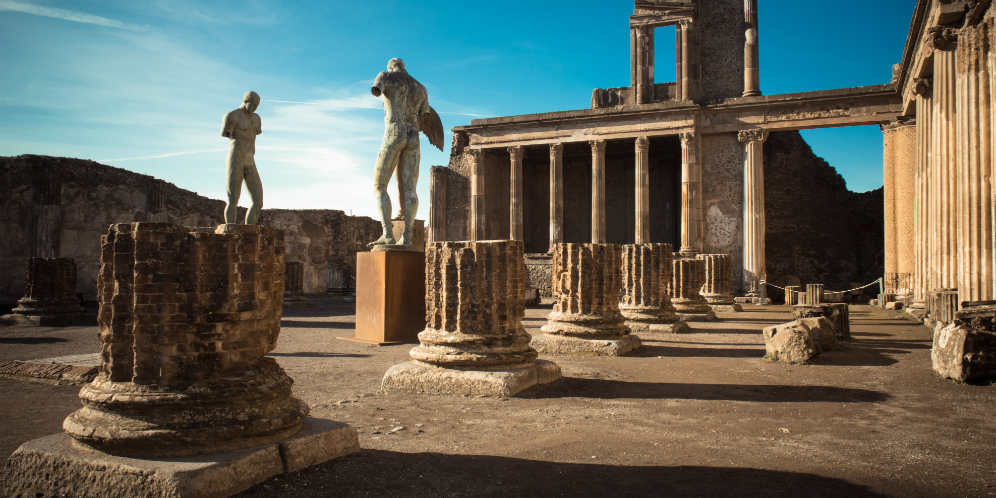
pixel 574 387
pixel 649 350
pixel 758 320
pixel 395 474
pixel 316 325
pixel 311 354
pixel 31 340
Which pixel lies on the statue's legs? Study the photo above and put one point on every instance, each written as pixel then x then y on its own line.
pixel 234 172
pixel 410 158
pixel 255 187
pixel 387 159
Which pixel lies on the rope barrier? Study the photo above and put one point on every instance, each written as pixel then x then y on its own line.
pixel 836 292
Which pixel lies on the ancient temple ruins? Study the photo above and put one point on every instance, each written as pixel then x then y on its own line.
pixel 656 162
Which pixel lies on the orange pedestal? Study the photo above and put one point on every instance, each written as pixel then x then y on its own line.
pixel 390 297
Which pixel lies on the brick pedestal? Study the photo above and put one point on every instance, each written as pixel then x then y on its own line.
pixel 586 318
pixel 474 342
pixel 646 270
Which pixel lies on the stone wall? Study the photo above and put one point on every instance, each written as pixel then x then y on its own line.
pixel 60 207
pixel 723 201
pixel 817 230
pixel 721 34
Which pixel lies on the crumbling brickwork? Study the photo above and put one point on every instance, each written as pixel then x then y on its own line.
pixel 646 271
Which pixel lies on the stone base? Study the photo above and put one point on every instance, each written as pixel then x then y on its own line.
pixel 708 316
pixel 394 248
pixel 566 345
pixel 390 296
pixel 48 320
pixel 962 353
pixel 57 465
pixel 48 306
pixel 727 308
pixel 666 328
pixel 422 378
pixel 894 305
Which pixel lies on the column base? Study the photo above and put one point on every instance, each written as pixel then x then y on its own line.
pixel 664 328
pixel 54 306
pixel 565 345
pixel 708 316
pixel 421 378
pixel 727 308
pixel 57 465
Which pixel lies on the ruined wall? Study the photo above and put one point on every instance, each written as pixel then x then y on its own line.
pixel 722 38
pixel 60 207
pixel 458 190
pixel 817 230
pixel 723 201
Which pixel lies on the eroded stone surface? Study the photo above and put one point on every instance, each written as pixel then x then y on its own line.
pixel 718 275
pixel 185 321
pixel 800 340
pixel 966 349
pixel 646 271
pixel 837 313
pixel 428 379
pixel 687 277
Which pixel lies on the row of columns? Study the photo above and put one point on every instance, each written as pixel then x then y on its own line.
pixel 692 212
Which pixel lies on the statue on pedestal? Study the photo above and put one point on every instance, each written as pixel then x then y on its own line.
pixel 241 126
pixel 406 112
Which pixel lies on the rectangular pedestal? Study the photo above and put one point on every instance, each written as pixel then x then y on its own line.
pixel 390 296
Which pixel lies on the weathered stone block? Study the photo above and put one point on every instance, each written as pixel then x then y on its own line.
pixel 966 349
pixel 837 313
pixel 800 340
pixel 474 341
pixel 894 305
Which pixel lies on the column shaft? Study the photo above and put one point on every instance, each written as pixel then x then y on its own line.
pixel 642 193
pixel 691 195
pixel 889 194
pixel 515 196
pixel 752 78
pixel 556 194
pixel 597 191
pixel 904 172
pixel 947 172
pixel 478 229
pixel 754 231
pixel 920 241
pixel 687 39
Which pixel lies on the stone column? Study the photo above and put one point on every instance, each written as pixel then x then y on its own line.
pixel 975 166
pixel 644 71
pixel 889 195
pixel 49 292
pixel 642 191
pixel 687 277
pixel 814 294
pixel 587 279
pixel 597 191
pixel 294 285
pixel 716 286
pixel 688 73
pixel 922 89
pixel 691 195
pixel 437 204
pixel 186 319
pixel 556 194
pixel 646 271
pixel 904 172
pixel 752 73
pixel 944 158
pixel 792 295
pixel 754 269
pixel 474 342
pixel 478 228
pixel 515 196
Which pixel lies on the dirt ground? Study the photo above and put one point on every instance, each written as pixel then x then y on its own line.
pixel 695 414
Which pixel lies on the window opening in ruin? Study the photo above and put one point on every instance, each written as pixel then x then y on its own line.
pixel 666 47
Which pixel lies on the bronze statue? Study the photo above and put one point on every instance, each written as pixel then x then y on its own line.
pixel 406 112
pixel 241 126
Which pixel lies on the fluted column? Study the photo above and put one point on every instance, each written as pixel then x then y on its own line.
pixel 587 279
pixel 944 145
pixel 717 271
pixel 752 78
pixel 889 196
pixel 975 166
pixel 556 194
pixel 515 196
pixel 478 229
pixel 646 271
pixel 644 59
pixel 922 89
pixel 687 277
pixel 691 195
pixel 597 191
pixel 904 173
pixel 688 74
pixel 642 191
pixel 754 231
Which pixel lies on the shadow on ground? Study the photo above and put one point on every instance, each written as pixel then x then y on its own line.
pixel 31 340
pixel 574 387
pixel 390 474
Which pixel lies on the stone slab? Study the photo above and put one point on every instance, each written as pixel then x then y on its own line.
pixel 421 378
pixel 57 465
pixel 390 297
pixel 894 305
pixel 666 328
pixel 727 308
pixel 962 353
pixel 566 345
pixel 708 316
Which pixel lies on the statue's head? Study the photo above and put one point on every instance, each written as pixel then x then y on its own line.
pixel 251 101
pixel 396 64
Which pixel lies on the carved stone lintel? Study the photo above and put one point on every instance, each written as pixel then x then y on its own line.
pixel 755 135
pixel 941 38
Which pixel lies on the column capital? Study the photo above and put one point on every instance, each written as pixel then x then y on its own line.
pixel 923 87
pixel 686 23
pixel 556 149
pixel 687 139
pixel 515 152
pixel 755 135
pixel 642 144
pixel 941 38
pixel 597 146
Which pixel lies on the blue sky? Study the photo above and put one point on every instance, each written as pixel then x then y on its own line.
pixel 143 85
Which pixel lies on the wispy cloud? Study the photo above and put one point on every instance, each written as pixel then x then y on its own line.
pixel 66 15
pixel 159 156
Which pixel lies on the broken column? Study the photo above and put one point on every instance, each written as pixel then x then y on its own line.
pixel 942 304
pixel 792 295
pixel 687 277
pixel 718 274
pixel 837 313
pixel 646 271
pixel 294 285
pixel 474 342
pixel 49 292
pixel 186 319
pixel 965 350
pixel 814 294
pixel 586 319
